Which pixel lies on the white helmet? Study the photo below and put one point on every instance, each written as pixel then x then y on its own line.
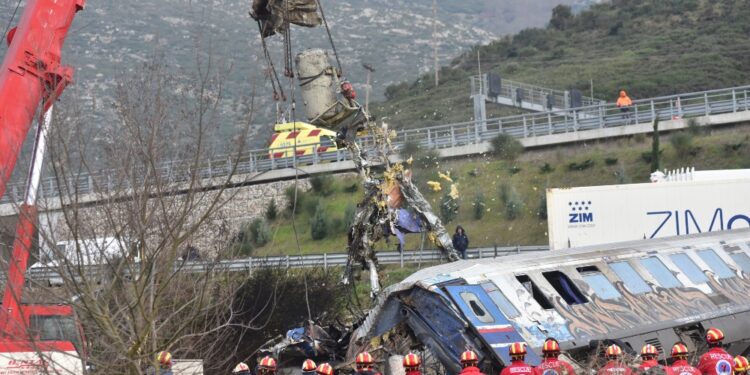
pixel 240 368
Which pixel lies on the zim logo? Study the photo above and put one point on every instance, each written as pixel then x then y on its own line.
pixel 580 212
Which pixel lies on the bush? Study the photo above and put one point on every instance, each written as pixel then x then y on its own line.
pixel 353 188
pixel 610 161
pixel 289 193
pixel 514 169
pixel 682 143
pixel 448 208
pixel 427 160
pixel 506 147
pixel 349 213
pixel 586 164
pixel 479 206
pixel 309 204
pixel 319 223
pixel 513 205
pixel 260 233
pixel 272 211
pixel 541 212
pixel 242 243
pixel 504 192
pixel 546 168
pixel 410 149
pixel 693 127
pixel 322 184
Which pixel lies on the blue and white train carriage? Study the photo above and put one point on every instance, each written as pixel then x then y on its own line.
pixel 652 291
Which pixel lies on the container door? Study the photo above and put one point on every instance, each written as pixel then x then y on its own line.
pixel 488 321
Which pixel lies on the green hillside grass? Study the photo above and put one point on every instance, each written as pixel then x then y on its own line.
pixel 648 47
pixel 614 161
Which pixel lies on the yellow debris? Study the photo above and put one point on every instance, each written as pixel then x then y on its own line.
pixel 446 176
pixel 454 191
pixel 434 185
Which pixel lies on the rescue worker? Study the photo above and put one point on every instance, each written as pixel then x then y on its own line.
pixel 470 363
pixel 241 369
pixel 164 361
pixel 517 352
pixel 365 364
pixel 614 365
pixel 551 365
pixel 309 367
pixel 624 103
pixel 412 363
pixel 741 365
pixel 649 355
pixel 267 366
pixel 324 369
pixel 680 366
pixel 716 361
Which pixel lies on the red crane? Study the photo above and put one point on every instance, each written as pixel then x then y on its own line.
pixel 31 80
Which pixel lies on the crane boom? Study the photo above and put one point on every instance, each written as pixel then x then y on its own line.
pixel 31 73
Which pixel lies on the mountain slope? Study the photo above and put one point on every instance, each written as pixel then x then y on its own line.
pixel 648 47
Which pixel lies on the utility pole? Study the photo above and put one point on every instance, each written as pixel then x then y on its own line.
pixel 370 70
pixel 435 43
pixel 479 68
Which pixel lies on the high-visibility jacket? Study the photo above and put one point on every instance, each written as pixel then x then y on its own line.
pixel 624 100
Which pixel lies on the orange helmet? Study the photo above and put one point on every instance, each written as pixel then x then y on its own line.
pixel 649 351
pixel 679 350
pixel 364 359
pixel 324 369
pixel 412 360
pixel 164 359
pixel 613 351
pixel 241 367
pixel 741 364
pixel 551 346
pixel 714 335
pixel 309 366
pixel 517 349
pixel 469 357
pixel 267 363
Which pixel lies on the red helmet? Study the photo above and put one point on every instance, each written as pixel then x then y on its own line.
pixel 324 369
pixel 241 367
pixel 517 349
pixel 469 357
pixel 364 359
pixel 267 363
pixel 308 365
pixel 679 350
pixel 714 335
pixel 551 346
pixel 613 351
pixel 741 364
pixel 649 350
pixel 412 360
pixel 165 359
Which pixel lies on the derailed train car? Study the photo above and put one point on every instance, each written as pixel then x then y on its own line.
pixel 652 291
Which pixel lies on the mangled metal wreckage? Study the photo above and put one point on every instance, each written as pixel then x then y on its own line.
pixel 653 291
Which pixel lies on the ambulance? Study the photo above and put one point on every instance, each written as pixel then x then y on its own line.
pixel 306 137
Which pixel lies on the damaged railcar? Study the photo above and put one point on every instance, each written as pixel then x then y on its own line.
pixel 652 291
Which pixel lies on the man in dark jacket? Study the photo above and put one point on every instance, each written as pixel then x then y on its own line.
pixel 460 241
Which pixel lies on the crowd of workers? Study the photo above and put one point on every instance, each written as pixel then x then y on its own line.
pixel 716 361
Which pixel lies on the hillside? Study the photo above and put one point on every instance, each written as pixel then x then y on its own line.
pixel 648 47
pixel 609 162
pixel 110 40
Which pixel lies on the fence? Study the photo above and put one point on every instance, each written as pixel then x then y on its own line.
pixel 704 103
pixel 518 91
pixel 304 261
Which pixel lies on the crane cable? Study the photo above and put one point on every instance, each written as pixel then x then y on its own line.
pixel 274 75
pixel 330 38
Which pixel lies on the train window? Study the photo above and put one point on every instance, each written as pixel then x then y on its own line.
pixel 633 281
pixel 501 301
pixel 597 281
pixel 477 307
pixel 55 328
pixel 567 290
pixel 660 272
pixel 715 263
pixel 742 260
pixel 689 268
pixel 540 298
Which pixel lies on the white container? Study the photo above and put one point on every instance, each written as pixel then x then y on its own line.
pixel 596 215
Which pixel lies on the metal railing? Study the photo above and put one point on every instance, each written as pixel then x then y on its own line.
pixel 516 92
pixel 704 103
pixel 52 274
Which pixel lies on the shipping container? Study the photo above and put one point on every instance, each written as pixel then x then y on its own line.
pixel 595 215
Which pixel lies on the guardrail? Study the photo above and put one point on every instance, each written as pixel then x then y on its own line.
pixel 517 92
pixel 704 103
pixel 295 261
